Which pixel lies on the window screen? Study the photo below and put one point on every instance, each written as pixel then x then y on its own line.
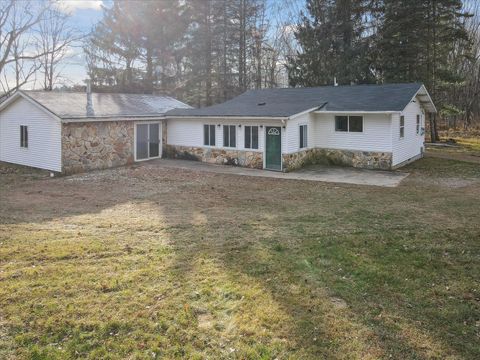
pixel 355 123
pixel 209 135
pixel 229 136
pixel 349 123
pixel 303 136
pixel 402 126
pixel 251 137
pixel 341 123
pixel 23 136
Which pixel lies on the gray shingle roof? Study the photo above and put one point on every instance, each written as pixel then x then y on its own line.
pixel 72 105
pixel 290 101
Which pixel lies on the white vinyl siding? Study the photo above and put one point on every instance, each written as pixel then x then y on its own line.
pixel 292 133
pixel 44 149
pixel 376 134
pixel 189 132
pixel 412 144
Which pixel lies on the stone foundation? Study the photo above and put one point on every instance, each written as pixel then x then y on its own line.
pixel 245 158
pixel 97 145
pixel 355 158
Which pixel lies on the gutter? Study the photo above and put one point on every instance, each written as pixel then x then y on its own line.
pixel 110 118
pixel 357 112
pixel 246 117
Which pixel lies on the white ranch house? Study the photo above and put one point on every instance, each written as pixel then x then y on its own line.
pixel 367 126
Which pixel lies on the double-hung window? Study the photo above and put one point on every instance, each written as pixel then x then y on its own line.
pixel 303 136
pixel 346 123
pixel 209 135
pixel 251 137
pixel 402 127
pixel 229 136
pixel 418 124
pixel 23 136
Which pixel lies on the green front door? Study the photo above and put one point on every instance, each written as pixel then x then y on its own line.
pixel 273 148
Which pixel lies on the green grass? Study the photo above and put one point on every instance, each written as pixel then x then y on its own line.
pixel 145 263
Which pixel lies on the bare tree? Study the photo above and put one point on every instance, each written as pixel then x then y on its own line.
pixel 18 58
pixel 55 40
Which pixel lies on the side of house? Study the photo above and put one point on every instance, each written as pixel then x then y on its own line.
pixel 30 136
pixel 236 141
pixel 54 131
pixel 408 134
pixel 103 144
pixel 364 126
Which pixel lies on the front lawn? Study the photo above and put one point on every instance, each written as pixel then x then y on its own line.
pixel 147 262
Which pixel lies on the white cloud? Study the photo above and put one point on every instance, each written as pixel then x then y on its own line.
pixel 70 6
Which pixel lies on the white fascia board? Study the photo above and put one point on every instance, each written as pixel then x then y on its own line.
pixel 103 119
pixel 430 101
pixel 192 117
pixel 356 112
pixel 315 109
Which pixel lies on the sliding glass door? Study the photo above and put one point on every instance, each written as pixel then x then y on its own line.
pixel 147 141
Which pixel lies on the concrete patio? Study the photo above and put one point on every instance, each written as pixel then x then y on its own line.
pixel 333 174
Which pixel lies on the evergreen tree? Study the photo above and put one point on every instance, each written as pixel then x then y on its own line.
pixel 417 38
pixel 335 42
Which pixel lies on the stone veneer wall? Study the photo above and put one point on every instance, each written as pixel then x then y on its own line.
pixel 355 158
pixel 97 145
pixel 246 158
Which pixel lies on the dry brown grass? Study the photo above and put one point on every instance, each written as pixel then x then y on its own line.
pixel 148 262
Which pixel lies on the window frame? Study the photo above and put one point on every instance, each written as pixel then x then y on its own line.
pixel 24 136
pixel 209 134
pixel 348 124
pixel 402 127
pixel 250 137
pixel 229 144
pixel 303 136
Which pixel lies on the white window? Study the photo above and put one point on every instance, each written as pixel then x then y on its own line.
pixel 349 123
pixel 229 136
pixel 418 124
pixel 251 137
pixel 402 127
pixel 23 136
pixel 209 135
pixel 303 136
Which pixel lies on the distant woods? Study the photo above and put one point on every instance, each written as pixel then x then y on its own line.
pixel 202 51
pixel 375 41
pixel 208 51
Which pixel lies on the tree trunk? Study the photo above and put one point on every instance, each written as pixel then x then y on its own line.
pixel 208 54
pixel 149 75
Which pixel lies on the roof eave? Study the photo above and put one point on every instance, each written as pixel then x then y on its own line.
pixel 21 94
pixel 216 117
pixel 429 104
pixel 111 118
pixel 357 112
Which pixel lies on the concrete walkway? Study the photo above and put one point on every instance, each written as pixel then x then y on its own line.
pixel 332 174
